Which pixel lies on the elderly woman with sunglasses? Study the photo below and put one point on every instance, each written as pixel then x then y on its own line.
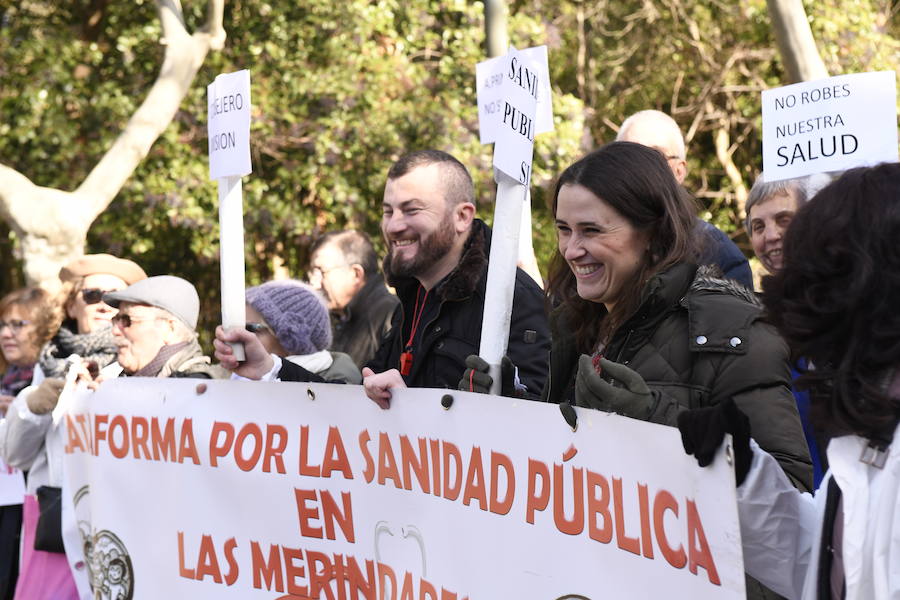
pixel 28 438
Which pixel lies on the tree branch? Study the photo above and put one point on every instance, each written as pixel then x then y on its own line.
pixel 723 141
pixel 52 224
pixel 183 56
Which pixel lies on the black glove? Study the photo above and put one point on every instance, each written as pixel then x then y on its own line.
pixel 632 399
pixel 703 429
pixel 476 377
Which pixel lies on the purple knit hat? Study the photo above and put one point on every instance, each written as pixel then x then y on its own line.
pixel 295 312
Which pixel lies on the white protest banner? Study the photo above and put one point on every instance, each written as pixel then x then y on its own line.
pixel 829 125
pixel 281 490
pixel 488 80
pixel 228 100
pixel 12 485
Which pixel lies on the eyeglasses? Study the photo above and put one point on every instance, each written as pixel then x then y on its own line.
pixel 126 321
pixel 257 328
pixel 15 325
pixel 319 273
pixel 93 295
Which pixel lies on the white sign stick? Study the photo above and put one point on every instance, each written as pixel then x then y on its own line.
pixel 228 100
pixel 501 277
pixel 231 257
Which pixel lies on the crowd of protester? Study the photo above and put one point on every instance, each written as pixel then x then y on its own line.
pixel 649 312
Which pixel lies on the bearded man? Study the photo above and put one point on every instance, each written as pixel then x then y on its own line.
pixel 437 261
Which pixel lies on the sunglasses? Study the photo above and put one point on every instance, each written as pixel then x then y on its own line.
pixel 93 295
pixel 126 321
pixel 257 328
pixel 15 325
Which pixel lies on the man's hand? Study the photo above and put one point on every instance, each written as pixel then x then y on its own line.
pixel 258 361
pixel 44 398
pixel 634 399
pixel 379 385
pixel 477 378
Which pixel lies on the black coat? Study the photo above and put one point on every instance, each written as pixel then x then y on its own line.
pixel 455 332
pixel 364 322
pixel 697 340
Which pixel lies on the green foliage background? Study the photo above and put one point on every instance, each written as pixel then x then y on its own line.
pixel 341 89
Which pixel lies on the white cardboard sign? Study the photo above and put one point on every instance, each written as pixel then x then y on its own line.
pixel 228 128
pixel 830 124
pixel 514 139
pixel 489 78
pixel 287 490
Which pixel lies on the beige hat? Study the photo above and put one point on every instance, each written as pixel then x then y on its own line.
pixel 91 264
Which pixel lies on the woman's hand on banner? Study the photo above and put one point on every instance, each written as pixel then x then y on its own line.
pixel 257 362
pixel 378 386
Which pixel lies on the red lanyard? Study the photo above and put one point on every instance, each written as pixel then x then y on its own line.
pixel 406 358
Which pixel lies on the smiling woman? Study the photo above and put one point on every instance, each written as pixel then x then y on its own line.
pixel 639 329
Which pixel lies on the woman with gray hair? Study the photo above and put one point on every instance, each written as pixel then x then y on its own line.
pixel 770 208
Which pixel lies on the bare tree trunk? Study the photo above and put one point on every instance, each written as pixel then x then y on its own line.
pixel 52 224
pixel 799 54
pixel 495 27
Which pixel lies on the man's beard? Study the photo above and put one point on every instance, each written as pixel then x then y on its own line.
pixel 431 249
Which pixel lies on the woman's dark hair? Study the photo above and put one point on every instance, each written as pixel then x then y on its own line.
pixel 40 308
pixel 837 299
pixel 636 181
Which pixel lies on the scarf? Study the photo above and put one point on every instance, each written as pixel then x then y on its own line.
pixel 153 368
pixel 98 346
pixel 316 362
pixel 15 380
